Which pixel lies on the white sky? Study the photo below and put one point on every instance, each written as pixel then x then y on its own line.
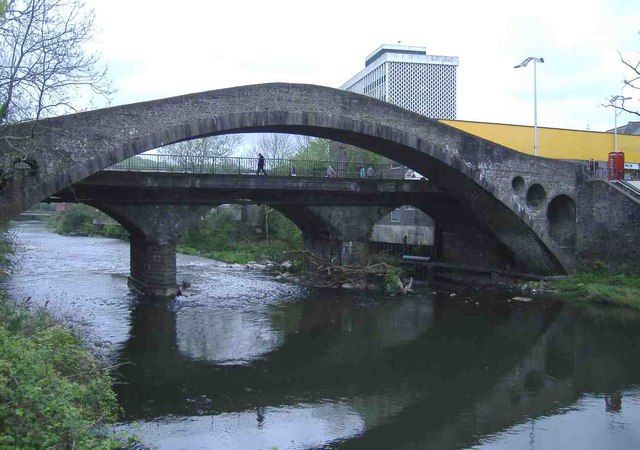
pixel 163 48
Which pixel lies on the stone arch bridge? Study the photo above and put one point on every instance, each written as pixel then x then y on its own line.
pixel 544 214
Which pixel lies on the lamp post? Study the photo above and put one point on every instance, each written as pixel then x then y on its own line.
pixel 612 102
pixel 535 98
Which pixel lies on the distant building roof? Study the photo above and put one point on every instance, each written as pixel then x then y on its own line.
pixel 632 128
pixel 386 48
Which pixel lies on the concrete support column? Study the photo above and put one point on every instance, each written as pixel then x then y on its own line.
pixel 338 233
pixel 153 267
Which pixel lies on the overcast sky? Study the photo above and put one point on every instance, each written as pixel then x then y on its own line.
pixel 157 49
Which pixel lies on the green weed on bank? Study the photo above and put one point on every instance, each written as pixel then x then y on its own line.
pixel 242 252
pixel 53 394
pixel 615 289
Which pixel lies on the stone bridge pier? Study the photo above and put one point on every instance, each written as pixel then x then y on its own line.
pixel 154 231
pixel 341 233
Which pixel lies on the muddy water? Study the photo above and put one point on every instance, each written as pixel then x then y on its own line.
pixel 248 362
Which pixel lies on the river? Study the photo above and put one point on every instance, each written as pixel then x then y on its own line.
pixel 247 362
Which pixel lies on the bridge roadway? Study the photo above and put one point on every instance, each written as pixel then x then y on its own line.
pixel 208 189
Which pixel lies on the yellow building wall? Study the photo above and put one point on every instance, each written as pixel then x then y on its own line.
pixel 553 142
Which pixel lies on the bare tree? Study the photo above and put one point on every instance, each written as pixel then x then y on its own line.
pixel 276 146
pixel 187 152
pixel 631 81
pixel 44 69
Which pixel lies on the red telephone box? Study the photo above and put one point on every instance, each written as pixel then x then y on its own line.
pixel 615 165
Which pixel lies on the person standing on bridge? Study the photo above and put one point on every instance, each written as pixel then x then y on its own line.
pixel 363 173
pixel 260 164
pixel 370 172
pixel 330 172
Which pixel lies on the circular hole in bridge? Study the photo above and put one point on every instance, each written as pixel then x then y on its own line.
pixel 517 184
pixel 536 195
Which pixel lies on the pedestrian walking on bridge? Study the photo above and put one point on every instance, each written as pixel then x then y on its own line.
pixel 260 164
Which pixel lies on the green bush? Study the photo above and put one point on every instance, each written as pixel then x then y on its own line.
pixel 219 236
pixel 6 250
pixel 392 282
pixel 53 393
pixel 78 221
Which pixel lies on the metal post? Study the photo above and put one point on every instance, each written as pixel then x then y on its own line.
pixel 536 146
pixel 535 108
pixel 615 128
pixel 613 101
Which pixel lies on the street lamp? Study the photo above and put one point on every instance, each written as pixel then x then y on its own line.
pixel 612 102
pixel 535 98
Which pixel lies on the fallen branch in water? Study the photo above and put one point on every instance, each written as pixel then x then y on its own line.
pixel 322 273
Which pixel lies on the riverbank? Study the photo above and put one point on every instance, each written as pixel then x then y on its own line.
pixel 55 393
pixel 216 236
pixel 242 252
pixel 605 288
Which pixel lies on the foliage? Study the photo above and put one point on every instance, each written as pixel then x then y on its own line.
pixel 310 149
pixel 243 253
pixel 600 287
pixel 219 236
pixel 54 394
pixel 216 231
pixel 6 251
pixel 315 149
pixel 392 283
pixel 79 221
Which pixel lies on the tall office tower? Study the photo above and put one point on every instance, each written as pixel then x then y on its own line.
pixel 408 77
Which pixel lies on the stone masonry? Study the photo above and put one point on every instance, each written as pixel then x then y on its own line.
pixel 537 209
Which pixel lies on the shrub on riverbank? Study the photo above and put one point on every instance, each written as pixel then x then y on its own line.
pixel 6 250
pixel 83 220
pixel 615 289
pixel 53 393
pixel 219 236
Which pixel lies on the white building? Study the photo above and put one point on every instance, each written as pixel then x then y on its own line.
pixel 408 77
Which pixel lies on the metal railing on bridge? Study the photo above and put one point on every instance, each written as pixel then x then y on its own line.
pixel 249 166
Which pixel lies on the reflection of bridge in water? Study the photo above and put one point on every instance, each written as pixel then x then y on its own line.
pixel 414 372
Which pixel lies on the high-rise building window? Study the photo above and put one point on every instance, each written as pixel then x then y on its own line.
pixel 408 77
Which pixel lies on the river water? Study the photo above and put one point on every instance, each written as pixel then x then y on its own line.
pixel 247 362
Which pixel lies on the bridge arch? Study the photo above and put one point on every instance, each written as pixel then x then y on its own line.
pixel 476 172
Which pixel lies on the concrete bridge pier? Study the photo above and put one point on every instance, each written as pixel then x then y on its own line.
pixel 152 267
pixel 154 231
pixel 341 233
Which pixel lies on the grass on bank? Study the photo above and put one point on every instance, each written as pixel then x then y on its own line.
pixel 53 392
pixel 614 289
pixel 243 252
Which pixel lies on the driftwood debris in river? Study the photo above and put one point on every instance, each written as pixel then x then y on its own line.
pixel 329 274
